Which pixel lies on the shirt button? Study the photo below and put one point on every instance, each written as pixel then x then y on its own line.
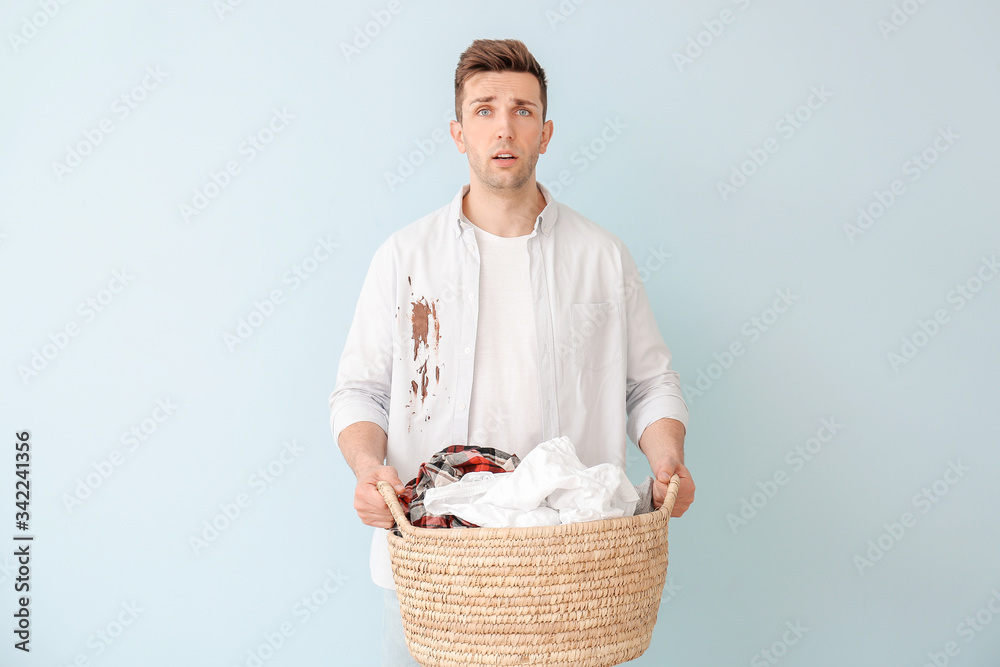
pixel 471 248
pixel 462 406
pixel 468 350
pixel 472 295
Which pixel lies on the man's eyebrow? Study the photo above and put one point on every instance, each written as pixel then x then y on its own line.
pixel 490 98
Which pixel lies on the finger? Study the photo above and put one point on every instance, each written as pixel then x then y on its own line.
pixel 661 482
pixel 389 474
pixel 374 504
pixel 371 509
pixel 374 517
pixel 659 493
pixel 368 495
pixel 374 475
pixel 397 486
pixel 377 523
pixel 664 472
pixel 685 497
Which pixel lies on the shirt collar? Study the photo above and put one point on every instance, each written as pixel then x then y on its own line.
pixel 544 222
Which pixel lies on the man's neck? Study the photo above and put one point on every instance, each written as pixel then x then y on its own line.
pixel 504 215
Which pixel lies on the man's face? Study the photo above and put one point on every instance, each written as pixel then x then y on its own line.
pixel 502 115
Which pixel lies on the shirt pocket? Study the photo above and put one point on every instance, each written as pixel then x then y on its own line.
pixel 595 336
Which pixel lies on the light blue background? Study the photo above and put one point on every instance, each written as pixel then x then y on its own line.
pixel 732 587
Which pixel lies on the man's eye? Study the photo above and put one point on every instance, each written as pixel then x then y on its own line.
pixel 482 112
pixel 523 112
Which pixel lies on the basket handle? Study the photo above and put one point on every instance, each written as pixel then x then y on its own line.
pixel 672 488
pixel 389 495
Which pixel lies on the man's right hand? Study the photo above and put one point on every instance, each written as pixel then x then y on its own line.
pixel 368 502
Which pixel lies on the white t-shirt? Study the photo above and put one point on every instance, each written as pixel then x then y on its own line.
pixel 504 412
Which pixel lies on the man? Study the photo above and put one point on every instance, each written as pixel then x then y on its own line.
pixel 503 319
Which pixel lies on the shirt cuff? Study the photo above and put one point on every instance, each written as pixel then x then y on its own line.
pixel 354 413
pixel 672 407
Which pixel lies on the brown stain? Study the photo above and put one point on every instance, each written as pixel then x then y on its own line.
pixel 422 370
pixel 419 322
pixel 425 327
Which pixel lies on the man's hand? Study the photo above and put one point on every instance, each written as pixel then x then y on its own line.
pixel 363 444
pixel 662 472
pixel 663 444
pixel 368 502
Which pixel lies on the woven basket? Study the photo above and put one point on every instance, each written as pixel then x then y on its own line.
pixel 572 595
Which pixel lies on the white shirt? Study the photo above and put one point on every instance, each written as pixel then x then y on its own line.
pixel 603 368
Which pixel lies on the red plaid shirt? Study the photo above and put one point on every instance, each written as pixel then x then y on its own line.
pixel 445 467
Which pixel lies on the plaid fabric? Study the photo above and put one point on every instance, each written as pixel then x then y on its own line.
pixel 445 467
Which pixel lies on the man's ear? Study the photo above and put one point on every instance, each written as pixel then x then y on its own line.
pixel 546 136
pixel 456 135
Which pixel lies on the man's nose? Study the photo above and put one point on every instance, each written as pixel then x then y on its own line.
pixel 505 129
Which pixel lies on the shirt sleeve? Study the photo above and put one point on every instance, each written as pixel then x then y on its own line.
pixel 652 388
pixel 365 373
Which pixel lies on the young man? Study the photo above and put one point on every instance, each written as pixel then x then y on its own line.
pixel 502 319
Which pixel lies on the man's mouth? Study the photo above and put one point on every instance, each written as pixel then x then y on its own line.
pixel 504 158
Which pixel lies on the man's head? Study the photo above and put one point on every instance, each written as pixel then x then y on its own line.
pixel 497 55
pixel 500 106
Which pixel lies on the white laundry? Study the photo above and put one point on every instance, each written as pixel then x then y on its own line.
pixel 463 498
pixel 550 486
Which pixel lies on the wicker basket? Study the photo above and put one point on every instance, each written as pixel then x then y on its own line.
pixel 573 595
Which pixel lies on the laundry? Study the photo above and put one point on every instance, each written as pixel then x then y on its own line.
pixel 645 491
pixel 444 468
pixel 549 486
pixel 464 499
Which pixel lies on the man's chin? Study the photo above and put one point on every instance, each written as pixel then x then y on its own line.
pixel 506 181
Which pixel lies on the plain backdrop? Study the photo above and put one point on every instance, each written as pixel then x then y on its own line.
pixel 191 194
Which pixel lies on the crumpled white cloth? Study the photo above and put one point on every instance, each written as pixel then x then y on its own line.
pixel 550 486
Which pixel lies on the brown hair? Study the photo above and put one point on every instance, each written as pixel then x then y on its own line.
pixel 496 55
